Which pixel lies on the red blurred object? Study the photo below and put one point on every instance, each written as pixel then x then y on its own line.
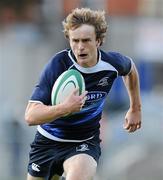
pixel 122 7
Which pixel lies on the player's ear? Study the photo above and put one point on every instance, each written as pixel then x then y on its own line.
pixel 98 43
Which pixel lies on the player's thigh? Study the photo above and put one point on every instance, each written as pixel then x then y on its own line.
pixel 29 177
pixel 81 165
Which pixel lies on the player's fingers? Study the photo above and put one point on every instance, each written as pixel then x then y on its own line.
pixel 76 91
pixel 132 128
pixel 126 125
pixel 82 104
pixel 83 101
pixel 83 95
pixel 139 125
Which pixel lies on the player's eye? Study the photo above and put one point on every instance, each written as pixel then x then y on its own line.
pixel 86 40
pixel 75 40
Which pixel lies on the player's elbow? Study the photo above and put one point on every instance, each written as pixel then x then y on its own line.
pixel 30 115
pixel 29 119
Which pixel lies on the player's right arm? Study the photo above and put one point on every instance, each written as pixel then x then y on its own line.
pixel 37 113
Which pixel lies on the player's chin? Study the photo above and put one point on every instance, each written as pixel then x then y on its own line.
pixel 83 58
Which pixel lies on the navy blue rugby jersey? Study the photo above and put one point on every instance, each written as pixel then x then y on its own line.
pixel 82 125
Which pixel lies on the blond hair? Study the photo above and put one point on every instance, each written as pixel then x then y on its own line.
pixel 81 16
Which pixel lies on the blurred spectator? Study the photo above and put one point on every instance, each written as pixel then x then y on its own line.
pixel 14 136
pixel 18 10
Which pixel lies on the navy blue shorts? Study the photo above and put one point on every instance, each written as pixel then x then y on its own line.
pixel 46 157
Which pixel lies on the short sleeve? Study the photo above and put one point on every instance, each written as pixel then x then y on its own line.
pixel 123 64
pixel 126 66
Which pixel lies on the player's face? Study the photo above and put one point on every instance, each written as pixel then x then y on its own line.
pixel 84 45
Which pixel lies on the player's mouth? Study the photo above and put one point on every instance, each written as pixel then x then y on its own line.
pixel 83 55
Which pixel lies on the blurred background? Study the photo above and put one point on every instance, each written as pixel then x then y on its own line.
pixel 31 33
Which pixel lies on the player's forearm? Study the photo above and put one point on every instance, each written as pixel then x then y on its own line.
pixel 37 113
pixel 132 84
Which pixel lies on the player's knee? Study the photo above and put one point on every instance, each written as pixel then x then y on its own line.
pixel 80 173
pixel 80 167
pixel 79 176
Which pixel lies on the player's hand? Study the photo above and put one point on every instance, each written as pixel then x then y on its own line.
pixel 132 120
pixel 75 102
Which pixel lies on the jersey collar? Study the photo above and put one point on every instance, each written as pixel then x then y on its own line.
pixel 82 69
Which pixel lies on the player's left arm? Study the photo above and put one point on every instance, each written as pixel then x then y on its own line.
pixel 133 116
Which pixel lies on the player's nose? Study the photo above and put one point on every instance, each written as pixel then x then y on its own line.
pixel 81 46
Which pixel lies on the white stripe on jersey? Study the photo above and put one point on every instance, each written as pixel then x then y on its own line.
pixel 35 101
pixel 100 66
pixel 49 136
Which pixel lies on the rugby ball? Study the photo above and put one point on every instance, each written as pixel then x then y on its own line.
pixel 65 84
